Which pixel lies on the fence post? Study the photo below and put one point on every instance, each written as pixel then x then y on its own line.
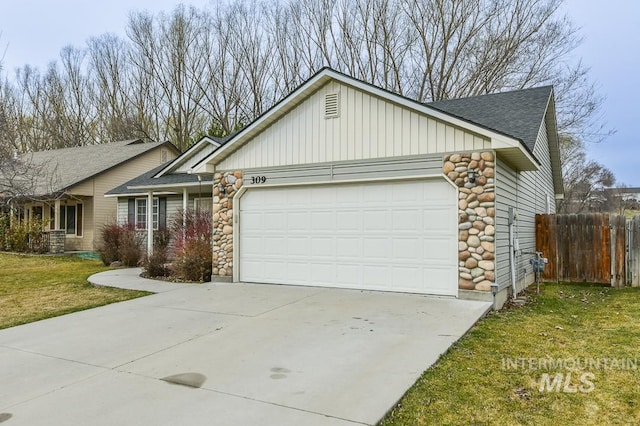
pixel 634 253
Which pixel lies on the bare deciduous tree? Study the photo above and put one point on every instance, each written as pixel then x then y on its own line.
pixel 178 75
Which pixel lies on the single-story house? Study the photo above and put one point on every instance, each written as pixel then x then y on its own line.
pixel 68 190
pixel 347 185
pixel 171 188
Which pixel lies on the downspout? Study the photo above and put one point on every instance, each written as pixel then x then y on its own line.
pixel 512 251
pixel 185 205
pixel 149 222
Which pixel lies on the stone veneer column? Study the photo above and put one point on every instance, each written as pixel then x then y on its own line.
pixel 56 241
pixel 225 186
pixel 476 218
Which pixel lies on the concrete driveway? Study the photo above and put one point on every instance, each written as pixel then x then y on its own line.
pixel 227 354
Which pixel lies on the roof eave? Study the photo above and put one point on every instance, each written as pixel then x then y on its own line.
pixel 554 147
pixel 169 186
pixel 514 153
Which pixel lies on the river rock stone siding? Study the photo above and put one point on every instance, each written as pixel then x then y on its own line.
pixel 476 218
pixel 225 186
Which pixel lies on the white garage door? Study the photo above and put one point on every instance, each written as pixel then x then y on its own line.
pixel 392 236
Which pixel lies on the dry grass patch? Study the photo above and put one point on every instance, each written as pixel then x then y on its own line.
pixel 38 287
pixel 473 384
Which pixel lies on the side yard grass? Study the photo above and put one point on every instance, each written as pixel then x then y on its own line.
pixel 38 287
pixel 569 356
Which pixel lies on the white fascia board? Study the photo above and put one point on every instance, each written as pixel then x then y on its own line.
pixel 187 154
pixel 170 185
pixel 138 194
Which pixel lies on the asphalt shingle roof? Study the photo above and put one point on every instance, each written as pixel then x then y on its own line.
pixel 517 113
pixel 147 179
pixel 66 167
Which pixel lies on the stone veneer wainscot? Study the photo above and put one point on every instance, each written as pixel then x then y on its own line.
pixel 476 218
pixel 225 187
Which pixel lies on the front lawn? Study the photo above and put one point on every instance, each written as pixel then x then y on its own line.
pixel 38 287
pixel 569 356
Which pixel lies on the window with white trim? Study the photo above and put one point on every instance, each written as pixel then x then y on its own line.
pixel 71 219
pixel 141 214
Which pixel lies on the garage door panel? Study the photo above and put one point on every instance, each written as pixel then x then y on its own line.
pixel 349 275
pixel 407 274
pixel 323 221
pixel 438 219
pixel 407 249
pixel 295 221
pixel 438 249
pixel 376 248
pixel 323 273
pixel 323 247
pixel 348 220
pixel 297 245
pixel 298 272
pixel 376 220
pixel 407 219
pixel 398 236
pixel 349 247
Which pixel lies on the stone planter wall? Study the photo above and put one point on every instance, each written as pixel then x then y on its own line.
pixel 225 186
pixel 476 218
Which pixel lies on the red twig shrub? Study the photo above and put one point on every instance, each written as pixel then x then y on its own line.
pixel 193 232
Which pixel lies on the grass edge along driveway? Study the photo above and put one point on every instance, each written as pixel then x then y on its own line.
pixel 569 356
pixel 33 288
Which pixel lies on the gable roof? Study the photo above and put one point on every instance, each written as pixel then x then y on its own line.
pixel 66 167
pixel 206 142
pixel 518 113
pixel 167 176
pixel 513 148
pixel 139 185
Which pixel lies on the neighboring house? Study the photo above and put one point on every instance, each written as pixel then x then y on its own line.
pixel 348 185
pixel 71 183
pixel 171 188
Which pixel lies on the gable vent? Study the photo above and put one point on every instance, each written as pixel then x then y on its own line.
pixel 331 105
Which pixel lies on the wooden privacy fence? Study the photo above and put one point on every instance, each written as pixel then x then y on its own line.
pixel 585 248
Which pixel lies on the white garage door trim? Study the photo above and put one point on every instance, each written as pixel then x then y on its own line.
pixel 334 253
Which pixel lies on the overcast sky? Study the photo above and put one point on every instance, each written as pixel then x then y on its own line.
pixel 34 31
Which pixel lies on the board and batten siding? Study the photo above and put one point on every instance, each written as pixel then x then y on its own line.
pixel 367 127
pixel 534 193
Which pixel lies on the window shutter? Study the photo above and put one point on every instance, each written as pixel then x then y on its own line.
pixel 162 213
pixel 131 211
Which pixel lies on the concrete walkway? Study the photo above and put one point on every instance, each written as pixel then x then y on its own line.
pixel 226 354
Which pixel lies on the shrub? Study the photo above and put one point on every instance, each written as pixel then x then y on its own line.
pixel 130 246
pixel 5 221
pixel 156 264
pixel 120 243
pixel 22 236
pixel 110 247
pixel 193 245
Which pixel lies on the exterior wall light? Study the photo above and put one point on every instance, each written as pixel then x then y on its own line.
pixel 471 174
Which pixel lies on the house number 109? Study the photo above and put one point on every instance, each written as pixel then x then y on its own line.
pixel 258 179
